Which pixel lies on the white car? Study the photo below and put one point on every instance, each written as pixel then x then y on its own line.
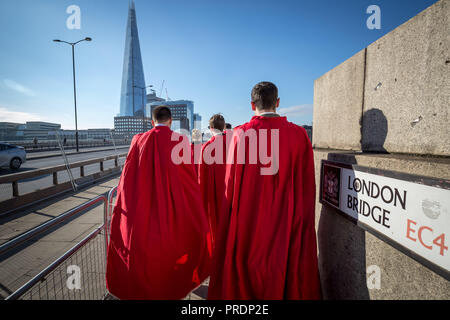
pixel 12 156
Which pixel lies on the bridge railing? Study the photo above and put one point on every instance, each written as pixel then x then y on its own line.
pixel 49 188
pixel 78 274
pixel 108 213
pixel 53 145
pixel 14 178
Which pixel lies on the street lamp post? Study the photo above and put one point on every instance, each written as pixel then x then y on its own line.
pixel 74 85
pixel 143 104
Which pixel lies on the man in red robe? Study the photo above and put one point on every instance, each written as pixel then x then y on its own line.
pixel 160 242
pixel 266 242
pixel 212 170
pixel 196 149
pixel 228 128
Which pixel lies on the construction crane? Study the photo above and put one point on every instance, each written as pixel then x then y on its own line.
pixel 160 91
pixel 167 95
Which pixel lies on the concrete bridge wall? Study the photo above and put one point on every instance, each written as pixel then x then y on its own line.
pixel 386 107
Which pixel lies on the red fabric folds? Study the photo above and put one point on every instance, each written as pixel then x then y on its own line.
pixel 266 241
pixel 212 178
pixel 160 243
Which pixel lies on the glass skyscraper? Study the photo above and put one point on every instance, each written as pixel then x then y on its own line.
pixel 133 96
pixel 135 104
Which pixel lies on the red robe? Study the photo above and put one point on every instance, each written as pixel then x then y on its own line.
pixel 160 242
pixel 212 178
pixel 266 242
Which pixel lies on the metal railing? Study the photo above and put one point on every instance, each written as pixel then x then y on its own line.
pixel 89 256
pixel 108 214
pixel 53 282
pixel 52 145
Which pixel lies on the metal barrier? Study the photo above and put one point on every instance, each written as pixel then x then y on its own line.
pixel 52 145
pixel 86 260
pixel 108 214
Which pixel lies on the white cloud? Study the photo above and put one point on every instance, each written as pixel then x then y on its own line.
pixel 18 87
pixel 16 116
pixel 297 111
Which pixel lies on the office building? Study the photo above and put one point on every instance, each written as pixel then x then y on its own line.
pixel 182 113
pixel 197 121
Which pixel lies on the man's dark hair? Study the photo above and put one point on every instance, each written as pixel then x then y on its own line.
pixel 161 114
pixel 227 125
pixel 217 122
pixel 265 95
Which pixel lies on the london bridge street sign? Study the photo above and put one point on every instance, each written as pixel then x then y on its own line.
pixel 412 213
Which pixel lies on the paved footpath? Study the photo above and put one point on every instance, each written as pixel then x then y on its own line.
pixel 200 293
pixel 24 262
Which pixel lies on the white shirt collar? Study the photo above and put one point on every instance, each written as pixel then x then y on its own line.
pixel 160 124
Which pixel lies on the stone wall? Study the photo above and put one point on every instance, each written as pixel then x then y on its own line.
pixel 386 107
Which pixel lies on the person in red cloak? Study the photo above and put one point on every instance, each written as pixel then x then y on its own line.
pixel 212 171
pixel 266 242
pixel 160 243
pixel 228 128
pixel 196 149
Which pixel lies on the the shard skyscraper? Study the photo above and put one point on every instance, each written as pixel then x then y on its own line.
pixel 133 96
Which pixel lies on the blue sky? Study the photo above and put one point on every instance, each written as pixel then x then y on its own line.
pixel 209 51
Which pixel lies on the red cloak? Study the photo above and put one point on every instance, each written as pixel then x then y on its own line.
pixel 160 243
pixel 212 178
pixel 266 242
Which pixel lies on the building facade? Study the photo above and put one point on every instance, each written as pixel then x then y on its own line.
pixel 182 113
pixel 309 130
pixel 129 126
pixel 134 116
pixel 45 131
pixel 99 134
pixel 10 131
pixel 136 105
pixel 39 129
pixel 133 96
pixel 151 97
pixel 197 121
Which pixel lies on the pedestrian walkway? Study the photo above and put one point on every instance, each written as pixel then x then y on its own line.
pixel 22 263
pixel 200 293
